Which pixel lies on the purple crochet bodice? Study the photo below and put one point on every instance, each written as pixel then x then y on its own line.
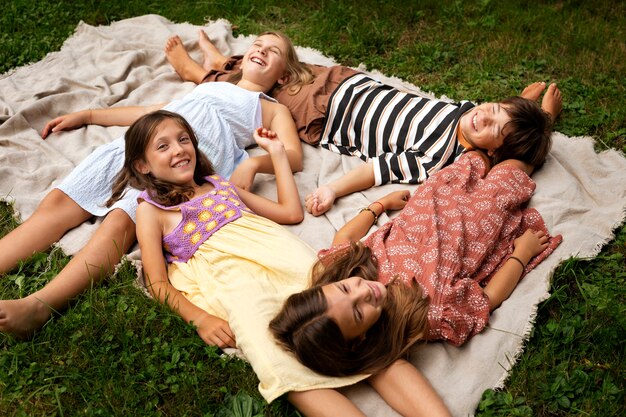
pixel 202 216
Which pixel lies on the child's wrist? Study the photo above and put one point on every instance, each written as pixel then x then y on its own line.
pixel 276 149
pixel 522 255
pixel 378 206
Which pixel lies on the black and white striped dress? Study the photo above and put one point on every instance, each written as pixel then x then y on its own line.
pixel 406 136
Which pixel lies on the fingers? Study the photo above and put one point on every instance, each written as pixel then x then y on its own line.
pixel 225 338
pixel 49 127
pixel 221 337
pixel 266 133
pixel 540 235
pixel 311 202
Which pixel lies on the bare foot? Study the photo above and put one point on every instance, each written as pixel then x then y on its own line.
pixel 213 58
pixel 320 201
pixel 533 91
pixel 183 64
pixel 22 318
pixel 552 103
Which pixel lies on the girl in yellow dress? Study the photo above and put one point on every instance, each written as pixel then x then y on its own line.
pixel 214 253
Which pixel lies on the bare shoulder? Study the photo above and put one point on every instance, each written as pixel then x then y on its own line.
pixel 275 114
pixel 527 168
pixel 147 212
pixel 273 106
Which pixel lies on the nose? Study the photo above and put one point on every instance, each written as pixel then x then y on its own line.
pixel 361 291
pixel 177 148
pixel 261 49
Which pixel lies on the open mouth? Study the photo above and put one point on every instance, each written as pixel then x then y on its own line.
pixel 258 61
pixel 181 163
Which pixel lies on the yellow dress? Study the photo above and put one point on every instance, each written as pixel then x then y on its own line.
pixel 243 273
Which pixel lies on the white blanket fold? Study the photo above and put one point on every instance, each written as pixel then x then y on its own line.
pixel 580 194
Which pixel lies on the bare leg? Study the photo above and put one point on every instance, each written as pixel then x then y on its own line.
pixel 213 58
pixel 407 391
pixel 55 215
pixel 95 261
pixel 320 201
pixel 552 102
pixel 533 91
pixel 183 64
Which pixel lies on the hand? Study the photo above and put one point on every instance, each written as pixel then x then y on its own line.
pixel 243 175
pixel 531 244
pixel 268 140
pixel 215 331
pixel 320 201
pixel 396 200
pixel 66 122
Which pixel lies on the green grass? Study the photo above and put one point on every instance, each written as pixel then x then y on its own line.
pixel 114 352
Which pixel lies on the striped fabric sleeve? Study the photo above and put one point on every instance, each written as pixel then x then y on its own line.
pixel 407 137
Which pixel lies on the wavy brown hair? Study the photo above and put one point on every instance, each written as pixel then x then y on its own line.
pixel 304 327
pixel 298 73
pixel 136 140
pixel 530 138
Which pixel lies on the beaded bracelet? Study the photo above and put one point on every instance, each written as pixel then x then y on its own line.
pixel 381 206
pixel 518 260
pixel 371 211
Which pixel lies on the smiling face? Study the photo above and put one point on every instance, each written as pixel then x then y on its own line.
pixel 170 155
pixel 265 61
pixel 354 304
pixel 484 126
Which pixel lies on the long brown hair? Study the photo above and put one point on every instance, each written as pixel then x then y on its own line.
pixel 298 73
pixel 304 328
pixel 136 140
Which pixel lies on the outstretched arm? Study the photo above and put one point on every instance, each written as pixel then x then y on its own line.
pixel 323 403
pixel 358 179
pixel 287 209
pixel 410 166
pixel 114 116
pixel 213 330
pixel 407 391
pixel 358 227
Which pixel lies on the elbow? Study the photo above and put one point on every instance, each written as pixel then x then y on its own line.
pixel 295 160
pixel 343 237
pixel 294 215
pixel 297 166
pixel 294 218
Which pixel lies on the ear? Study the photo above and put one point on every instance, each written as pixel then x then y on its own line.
pixel 142 167
pixel 283 80
pixel 490 152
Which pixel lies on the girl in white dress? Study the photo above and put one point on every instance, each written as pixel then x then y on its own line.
pixel 271 60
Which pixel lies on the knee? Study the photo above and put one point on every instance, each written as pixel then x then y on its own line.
pixel 121 227
pixel 56 200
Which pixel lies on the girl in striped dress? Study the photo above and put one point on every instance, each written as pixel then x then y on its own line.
pixel 401 137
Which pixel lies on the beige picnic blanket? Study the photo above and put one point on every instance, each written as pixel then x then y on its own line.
pixel 581 194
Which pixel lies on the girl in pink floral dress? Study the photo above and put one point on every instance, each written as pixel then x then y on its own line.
pixel 456 250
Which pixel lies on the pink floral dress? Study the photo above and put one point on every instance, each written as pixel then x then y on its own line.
pixel 456 230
